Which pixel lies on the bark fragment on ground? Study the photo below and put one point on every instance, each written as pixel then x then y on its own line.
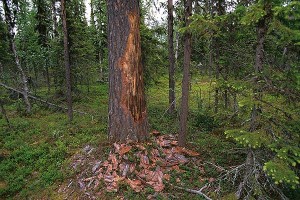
pixel 138 165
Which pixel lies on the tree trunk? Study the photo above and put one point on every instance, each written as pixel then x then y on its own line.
pixel 1 71
pixel 216 45
pixel 185 81
pixel 4 113
pixel 235 103
pixel 100 65
pixel 48 78
pixel 42 24
pixel 210 61
pixel 54 19
pixel 259 56
pixel 177 47
pixel 248 173
pixel 171 58
pixel 220 10
pixel 258 67
pixel 88 81
pixel 127 104
pixel 67 62
pixel 14 49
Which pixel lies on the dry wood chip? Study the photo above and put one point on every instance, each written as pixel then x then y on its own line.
pixel 167 177
pixel 136 185
pixel 140 147
pixel 155 133
pixel 125 149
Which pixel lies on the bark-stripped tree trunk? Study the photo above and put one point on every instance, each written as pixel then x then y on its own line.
pixel 171 58
pixel 67 61
pixel 10 24
pixel 185 82
pixel 127 104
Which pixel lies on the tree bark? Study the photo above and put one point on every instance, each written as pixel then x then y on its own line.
pixel 23 77
pixel 220 10
pixel 259 56
pixel 67 61
pixel 217 76
pixel 54 19
pixel 210 58
pixel 47 77
pixel 235 103
pixel 185 81
pixel 171 58
pixel 2 109
pixel 1 72
pixel 177 47
pixel 41 26
pixel 127 104
pixel 258 67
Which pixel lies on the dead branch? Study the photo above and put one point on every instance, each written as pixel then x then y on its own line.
pixel 43 101
pixel 216 166
pixel 193 191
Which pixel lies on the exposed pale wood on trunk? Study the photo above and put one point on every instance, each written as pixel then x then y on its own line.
pixel 127 104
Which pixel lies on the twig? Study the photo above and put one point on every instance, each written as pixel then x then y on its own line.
pixel 69 194
pixel 167 110
pixel 216 166
pixel 193 191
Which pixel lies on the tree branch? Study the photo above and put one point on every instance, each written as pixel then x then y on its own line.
pixel 193 191
pixel 43 101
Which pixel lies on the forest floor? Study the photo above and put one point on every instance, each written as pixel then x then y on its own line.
pixel 41 152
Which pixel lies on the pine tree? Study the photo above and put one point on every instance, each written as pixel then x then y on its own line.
pixel 127 105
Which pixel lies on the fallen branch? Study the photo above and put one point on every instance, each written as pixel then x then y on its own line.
pixel 43 101
pixel 216 166
pixel 193 191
